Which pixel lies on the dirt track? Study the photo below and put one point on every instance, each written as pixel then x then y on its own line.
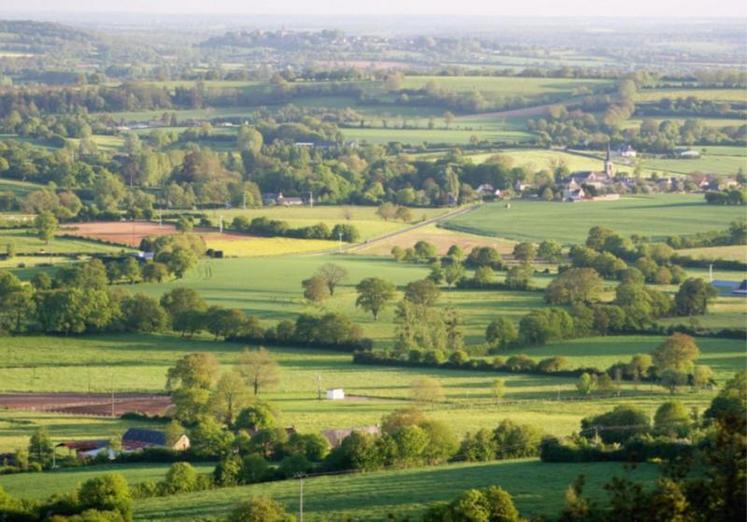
pixel 87 403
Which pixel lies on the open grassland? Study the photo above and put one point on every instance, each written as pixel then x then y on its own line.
pixel 459 136
pixel 495 86
pixel 723 95
pixel 272 290
pixel 43 485
pixel 731 252
pixel 724 356
pixel 363 218
pixel 140 363
pixel 543 159
pixel 25 242
pixel 17 426
pixel 721 165
pixel 654 216
pixel 537 489
pixel 19 188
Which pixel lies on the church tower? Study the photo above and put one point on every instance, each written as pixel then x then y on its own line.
pixel 609 168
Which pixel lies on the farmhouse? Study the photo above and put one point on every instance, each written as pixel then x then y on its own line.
pixel 136 439
pixel 277 198
pixel 627 151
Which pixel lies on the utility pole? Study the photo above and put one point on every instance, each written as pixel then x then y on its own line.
pixel 220 221
pixel 300 500
pixel 319 386
pixel 244 203
pixel 339 236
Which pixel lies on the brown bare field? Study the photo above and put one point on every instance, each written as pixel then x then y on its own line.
pixel 440 237
pixel 99 404
pixel 130 233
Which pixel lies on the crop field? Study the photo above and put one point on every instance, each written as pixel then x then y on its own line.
pixel 731 252
pixel 25 242
pixel 40 486
pixel 232 244
pixel 724 95
pixel 406 493
pixel 440 237
pixel 654 216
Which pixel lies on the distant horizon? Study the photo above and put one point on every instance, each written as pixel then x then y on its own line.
pixel 620 9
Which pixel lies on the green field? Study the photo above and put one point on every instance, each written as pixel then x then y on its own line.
pixel 43 485
pixel 19 188
pixel 543 159
pixel 456 136
pixel 537 489
pixel 496 86
pixel 654 216
pixel 16 426
pixel 724 356
pixel 140 362
pixel 363 218
pixel 25 242
pixel 724 95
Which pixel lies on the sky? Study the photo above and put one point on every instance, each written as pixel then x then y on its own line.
pixel 522 8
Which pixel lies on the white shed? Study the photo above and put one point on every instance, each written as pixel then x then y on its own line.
pixel 336 394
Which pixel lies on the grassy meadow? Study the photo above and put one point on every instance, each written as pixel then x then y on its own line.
pixel 42 485
pixel 26 242
pixel 653 216
pixel 140 362
pixel 408 493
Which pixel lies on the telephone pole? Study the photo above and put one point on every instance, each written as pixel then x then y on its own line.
pixel 300 497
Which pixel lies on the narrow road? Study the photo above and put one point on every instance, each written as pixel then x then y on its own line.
pixel 384 237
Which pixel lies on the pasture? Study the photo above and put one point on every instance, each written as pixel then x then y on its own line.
pixel 656 216
pixel 138 363
pixel 25 242
pixel 721 95
pixel 537 489
pixel 365 219
pixel 497 86
pixel 39 486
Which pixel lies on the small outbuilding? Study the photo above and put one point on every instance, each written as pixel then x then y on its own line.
pixel 336 394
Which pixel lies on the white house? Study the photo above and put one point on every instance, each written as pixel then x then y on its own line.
pixel 336 394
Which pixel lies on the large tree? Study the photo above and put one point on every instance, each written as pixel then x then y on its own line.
pixel 574 285
pixel 229 396
pixel 678 352
pixel 693 297
pixel 332 275
pixel 374 294
pixel 46 226
pixel 259 369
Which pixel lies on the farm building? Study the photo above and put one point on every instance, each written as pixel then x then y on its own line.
pixel 336 436
pixel 627 151
pixel 336 394
pixel 136 439
pixel 85 449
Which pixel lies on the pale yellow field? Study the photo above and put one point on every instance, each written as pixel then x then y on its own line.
pixel 269 246
pixel 732 252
